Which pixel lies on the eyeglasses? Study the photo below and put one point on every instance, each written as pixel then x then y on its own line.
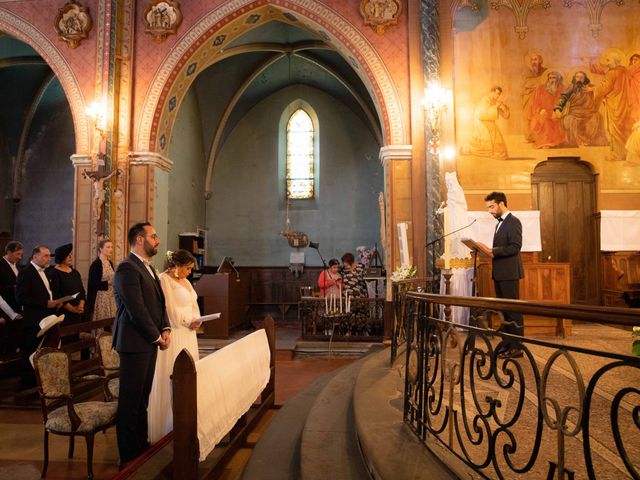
pixel 154 236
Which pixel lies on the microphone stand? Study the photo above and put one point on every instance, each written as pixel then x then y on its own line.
pixel 432 244
pixel 324 269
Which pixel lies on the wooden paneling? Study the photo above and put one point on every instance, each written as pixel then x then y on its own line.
pixel 564 190
pixel 543 281
pixel 620 274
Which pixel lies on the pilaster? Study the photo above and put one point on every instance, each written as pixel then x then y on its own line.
pixel 396 160
pixel 82 201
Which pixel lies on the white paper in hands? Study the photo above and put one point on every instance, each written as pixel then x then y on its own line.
pixel 67 298
pixel 206 318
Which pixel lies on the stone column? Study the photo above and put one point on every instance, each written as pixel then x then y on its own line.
pixel 433 169
pixel 148 193
pixel 82 221
pixel 396 160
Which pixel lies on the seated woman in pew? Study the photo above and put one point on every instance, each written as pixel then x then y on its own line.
pixel 182 309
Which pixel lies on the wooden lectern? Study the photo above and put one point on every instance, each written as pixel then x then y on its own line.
pixel 224 293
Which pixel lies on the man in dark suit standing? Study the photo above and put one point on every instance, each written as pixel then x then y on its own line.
pixel 9 273
pixel 507 267
pixel 10 331
pixel 33 292
pixel 140 328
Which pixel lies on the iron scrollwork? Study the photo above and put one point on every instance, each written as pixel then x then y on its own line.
pixel 528 417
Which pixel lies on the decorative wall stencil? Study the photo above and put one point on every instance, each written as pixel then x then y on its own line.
pixel 162 18
pixel 460 4
pixel 520 9
pixel 73 23
pixel 379 14
pixel 594 9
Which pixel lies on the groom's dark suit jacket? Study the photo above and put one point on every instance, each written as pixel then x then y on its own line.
pixel 140 319
pixel 141 315
pixel 507 242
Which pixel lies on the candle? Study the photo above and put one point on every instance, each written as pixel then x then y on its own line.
pixel 326 302
pixel 447 241
pixel 340 298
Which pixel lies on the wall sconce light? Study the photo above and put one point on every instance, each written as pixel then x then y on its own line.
pixel 436 101
pixel 97 113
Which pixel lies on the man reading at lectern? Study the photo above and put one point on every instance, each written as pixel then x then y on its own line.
pixel 506 265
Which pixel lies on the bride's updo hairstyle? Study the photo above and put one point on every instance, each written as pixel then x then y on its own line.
pixel 179 258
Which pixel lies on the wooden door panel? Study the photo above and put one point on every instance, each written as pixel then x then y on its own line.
pixel 564 190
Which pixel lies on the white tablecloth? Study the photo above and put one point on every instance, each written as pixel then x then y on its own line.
pixel 229 381
pixel 485 226
pixel 619 230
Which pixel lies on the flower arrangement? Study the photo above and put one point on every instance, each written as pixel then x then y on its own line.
pixel 635 344
pixel 365 254
pixel 404 273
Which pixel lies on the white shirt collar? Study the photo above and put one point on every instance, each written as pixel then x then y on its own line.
pixel 143 260
pixel 37 267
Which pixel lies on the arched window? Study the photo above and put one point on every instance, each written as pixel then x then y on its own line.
pixel 300 156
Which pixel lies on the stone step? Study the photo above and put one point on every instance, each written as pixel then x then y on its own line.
pixel 329 445
pixel 276 456
pixel 391 451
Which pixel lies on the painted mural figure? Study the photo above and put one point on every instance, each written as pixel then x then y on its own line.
pixel 633 146
pixel 532 78
pixel 578 115
pixel 634 83
pixel 544 128
pixel 615 95
pixel 487 140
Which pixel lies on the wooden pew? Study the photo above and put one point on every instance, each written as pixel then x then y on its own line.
pixel 186 448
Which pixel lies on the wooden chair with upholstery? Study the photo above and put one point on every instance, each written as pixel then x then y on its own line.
pixel 110 363
pixel 62 414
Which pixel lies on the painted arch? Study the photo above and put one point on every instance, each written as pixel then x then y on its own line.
pixel 204 45
pixel 30 35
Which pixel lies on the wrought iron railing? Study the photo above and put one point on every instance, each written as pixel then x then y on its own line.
pixel 363 321
pixel 562 410
pixel 399 292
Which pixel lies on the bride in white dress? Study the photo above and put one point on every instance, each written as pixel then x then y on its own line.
pixel 182 309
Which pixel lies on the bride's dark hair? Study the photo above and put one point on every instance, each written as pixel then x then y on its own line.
pixel 179 258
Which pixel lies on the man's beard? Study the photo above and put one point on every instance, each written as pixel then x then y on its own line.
pixel 535 68
pixel 552 88
pixel 149 250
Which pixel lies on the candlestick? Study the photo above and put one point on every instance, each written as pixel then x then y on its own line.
pixel 340 298
pixel 447 241
pixel 326 303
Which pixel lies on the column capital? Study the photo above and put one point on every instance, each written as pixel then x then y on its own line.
pixel 79 160
pixel 150 158
pixel 395 152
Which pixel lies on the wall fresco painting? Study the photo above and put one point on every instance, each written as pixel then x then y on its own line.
pixel 560 90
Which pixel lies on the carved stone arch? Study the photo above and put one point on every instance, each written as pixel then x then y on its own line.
pixel 27 33
pixel 204 44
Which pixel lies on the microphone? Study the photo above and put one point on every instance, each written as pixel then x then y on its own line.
pixel 450 233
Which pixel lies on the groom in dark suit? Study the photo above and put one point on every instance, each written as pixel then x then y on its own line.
pixel 507 267
pixel 140 328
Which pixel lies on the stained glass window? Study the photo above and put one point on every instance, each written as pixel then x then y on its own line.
pixel 300 153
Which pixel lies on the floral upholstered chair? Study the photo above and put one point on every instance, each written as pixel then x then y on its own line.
pixel 110 363
pixel 62 415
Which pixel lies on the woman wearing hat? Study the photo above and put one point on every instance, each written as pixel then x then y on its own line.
pixel 65 280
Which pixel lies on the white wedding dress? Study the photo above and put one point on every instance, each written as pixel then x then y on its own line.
pixel 182 309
